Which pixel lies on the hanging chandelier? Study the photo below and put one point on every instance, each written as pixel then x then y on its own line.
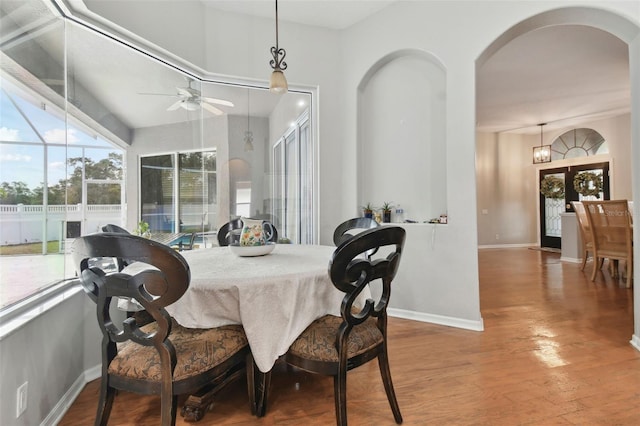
pixel 542 153
pixel 278 82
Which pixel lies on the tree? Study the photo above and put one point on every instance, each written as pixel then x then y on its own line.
pixel 15 193
pixel 69 191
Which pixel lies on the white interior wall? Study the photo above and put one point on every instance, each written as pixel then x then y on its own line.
pixel 505 184
pixel 175 26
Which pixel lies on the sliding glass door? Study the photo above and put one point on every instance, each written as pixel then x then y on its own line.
pixel 293 183
pixel 178 191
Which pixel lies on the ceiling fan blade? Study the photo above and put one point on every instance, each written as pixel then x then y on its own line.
pixel 211 108
pixel 187 91
pixel 218 101
pixel 175 105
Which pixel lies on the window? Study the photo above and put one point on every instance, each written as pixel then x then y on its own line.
pixel 577 143
pixel 293 183
pixel 82 174
pixel 191 197
pixel 73 110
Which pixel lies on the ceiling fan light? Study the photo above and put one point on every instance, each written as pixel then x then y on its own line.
pixel 278 82
pixel 190 105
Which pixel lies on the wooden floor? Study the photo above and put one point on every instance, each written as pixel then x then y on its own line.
pixel 555 351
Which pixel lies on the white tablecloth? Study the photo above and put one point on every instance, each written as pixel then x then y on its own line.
pixel 274 297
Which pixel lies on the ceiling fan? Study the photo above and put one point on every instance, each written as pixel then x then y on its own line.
pixel 191 99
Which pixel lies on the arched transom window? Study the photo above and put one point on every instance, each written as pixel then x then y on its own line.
pixel 577 143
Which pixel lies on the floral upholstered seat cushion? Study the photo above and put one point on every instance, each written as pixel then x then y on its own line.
pixel 197 350
pixel 318 341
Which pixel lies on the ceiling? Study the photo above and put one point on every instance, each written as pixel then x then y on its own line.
pixel 332 14
pixel 561 75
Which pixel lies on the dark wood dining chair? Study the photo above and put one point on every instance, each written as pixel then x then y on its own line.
pixel 333 345
pixel 351 227
pixel 610 224
pixel 110 227
pixel 161 357
pixel 225 232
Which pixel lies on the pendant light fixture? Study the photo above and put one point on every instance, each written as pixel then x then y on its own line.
pixel 248 134
pixel 542 153
pixel 278 82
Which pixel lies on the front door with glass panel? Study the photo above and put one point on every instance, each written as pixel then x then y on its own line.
pixel 557 190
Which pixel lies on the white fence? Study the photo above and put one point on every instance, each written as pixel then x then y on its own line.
pixel 21 224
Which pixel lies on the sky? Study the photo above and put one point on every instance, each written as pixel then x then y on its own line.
pixel 25 160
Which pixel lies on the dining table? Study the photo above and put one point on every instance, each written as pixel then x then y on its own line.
pixel 275 297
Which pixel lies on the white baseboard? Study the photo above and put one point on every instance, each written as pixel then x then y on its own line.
pixel 635 341
pixel 502 246
pixel 437 319
pixel 60 409
pixel 570 259
pixel 65 402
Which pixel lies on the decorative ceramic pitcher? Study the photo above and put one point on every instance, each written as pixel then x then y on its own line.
pixel 255 232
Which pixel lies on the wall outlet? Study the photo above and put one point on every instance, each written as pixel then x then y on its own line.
pixel 21 399
pixel 497 236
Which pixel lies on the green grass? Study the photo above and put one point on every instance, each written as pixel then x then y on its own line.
pixel 32 248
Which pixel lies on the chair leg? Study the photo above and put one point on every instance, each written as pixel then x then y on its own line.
pixel 597 264
pixel 584 260
pixel 613 268
pixel 107 394
pixel 340 395
pixel 385 372
pixel 168 407
pixel 629 272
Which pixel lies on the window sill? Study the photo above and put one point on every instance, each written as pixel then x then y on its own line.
pixel 15 316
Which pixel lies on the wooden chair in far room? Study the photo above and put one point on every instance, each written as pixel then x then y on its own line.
pixel 333 345
pixel 610 224
pixel 161 357
pixel 585 232
pixel 226 232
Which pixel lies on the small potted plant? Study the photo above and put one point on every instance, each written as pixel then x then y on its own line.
pixel 367 210
pixel 143 229
pixel 386 212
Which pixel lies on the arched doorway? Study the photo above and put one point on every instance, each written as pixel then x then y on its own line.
pixel 627 32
